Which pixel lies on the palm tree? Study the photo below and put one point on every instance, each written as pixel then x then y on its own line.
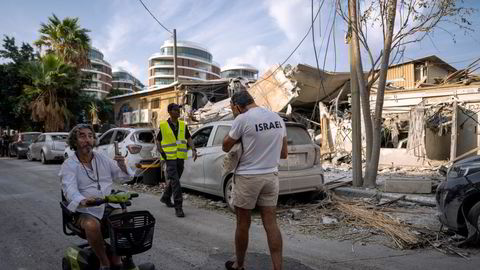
pixel 65 38
pixel 53 82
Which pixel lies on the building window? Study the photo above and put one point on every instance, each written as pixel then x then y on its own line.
pixel 144 104
pixel 155 103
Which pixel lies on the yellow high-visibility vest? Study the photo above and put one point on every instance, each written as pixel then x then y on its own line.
pixel 173 147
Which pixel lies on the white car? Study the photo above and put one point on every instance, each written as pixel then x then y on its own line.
pixel 301 172
pixel 135 144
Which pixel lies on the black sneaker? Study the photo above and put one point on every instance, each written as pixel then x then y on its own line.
pixel 179 212
pixel 167 202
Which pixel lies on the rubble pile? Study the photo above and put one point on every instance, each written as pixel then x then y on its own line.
pixel 439 118
pixel 393 223
pixel 364 216
pixel 463 76
pixel 357 219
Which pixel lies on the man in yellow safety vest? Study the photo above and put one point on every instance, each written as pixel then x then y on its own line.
pixel 172 143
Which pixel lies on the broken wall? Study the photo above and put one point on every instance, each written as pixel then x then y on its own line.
pixel 437 147
pixel 467 128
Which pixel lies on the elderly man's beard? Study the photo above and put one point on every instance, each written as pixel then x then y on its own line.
pixel 86 148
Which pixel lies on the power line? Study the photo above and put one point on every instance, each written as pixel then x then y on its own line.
pixel 296 48
pixel 155 18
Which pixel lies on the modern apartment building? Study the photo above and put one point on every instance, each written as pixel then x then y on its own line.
pixel 125 81
pixel 240 70
pixel 99 72
pixel 194 63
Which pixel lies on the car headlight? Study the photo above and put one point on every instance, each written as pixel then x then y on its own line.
pixel 463 170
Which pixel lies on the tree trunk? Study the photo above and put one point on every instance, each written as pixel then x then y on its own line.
pixel 364 94
pixel 356 114
pixel 372 170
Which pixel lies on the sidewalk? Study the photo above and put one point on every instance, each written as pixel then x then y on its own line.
pixel 423 199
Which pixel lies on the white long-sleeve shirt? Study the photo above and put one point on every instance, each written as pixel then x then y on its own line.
pixel 77 185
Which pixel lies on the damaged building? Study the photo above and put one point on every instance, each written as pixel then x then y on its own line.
pixel 430 108
pixel 430 113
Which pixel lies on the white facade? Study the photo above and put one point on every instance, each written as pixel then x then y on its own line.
pixel 100 73
pixel 194 63
pixel 125 81
pixel 240 70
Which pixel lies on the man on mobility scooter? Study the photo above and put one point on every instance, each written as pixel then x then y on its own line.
pixel 87 179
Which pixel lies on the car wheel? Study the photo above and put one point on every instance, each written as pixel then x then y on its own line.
pixel 19 156
pixel 474 218
pixel 227 194
pixel 43 158
pixel 29 156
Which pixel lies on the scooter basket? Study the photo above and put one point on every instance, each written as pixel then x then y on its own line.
pixel 131 233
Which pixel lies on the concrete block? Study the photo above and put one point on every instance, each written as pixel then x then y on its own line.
pixel 408 185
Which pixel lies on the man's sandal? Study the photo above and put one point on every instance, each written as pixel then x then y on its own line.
pixel 229 266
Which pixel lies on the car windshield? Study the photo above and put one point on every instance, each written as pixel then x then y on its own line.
pixel 29 137
pixel 59 137
pixel 297 136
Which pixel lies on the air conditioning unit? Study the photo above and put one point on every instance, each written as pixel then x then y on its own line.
pixel 145 116
pixel 127 118
pixel 135 117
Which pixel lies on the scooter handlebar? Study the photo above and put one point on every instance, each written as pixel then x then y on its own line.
pixel 119 198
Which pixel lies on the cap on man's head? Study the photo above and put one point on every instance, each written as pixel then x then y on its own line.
pixel 173 106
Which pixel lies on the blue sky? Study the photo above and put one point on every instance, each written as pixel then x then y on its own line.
pixel 258 32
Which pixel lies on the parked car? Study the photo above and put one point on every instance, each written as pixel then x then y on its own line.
pixel 301 172
pixel 48 147
pixel 20 143
pixel 458 198
pixel 135 144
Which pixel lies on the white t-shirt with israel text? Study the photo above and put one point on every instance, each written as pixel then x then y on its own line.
pixel 262 132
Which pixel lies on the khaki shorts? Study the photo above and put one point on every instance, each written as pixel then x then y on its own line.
pixel 255 189
pixel 83 217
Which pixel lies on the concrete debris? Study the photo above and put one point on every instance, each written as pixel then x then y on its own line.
pixel 357 220
pixel 329 220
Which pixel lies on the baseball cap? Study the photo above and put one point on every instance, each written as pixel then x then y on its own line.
pixel 173 106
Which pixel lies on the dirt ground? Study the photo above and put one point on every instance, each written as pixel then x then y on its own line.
pixel 301 214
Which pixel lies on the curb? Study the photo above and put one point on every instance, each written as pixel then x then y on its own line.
pixel 368 193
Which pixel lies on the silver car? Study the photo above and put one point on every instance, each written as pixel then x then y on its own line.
pixel 301 172
pixel 48 147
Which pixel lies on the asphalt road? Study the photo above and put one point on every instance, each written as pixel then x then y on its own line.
pixel 31 236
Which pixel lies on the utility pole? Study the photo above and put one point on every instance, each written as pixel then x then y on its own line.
pixel 355 97
pixel 175 69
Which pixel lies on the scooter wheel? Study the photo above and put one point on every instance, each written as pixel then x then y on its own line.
pixel 65 264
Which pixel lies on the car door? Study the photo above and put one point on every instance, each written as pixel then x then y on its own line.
pixel 38 146
pixel 213 160
pixel 105 142
pixel 193 174
pixel 31 148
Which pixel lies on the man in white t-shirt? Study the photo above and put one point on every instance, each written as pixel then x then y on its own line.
pixel 264 140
